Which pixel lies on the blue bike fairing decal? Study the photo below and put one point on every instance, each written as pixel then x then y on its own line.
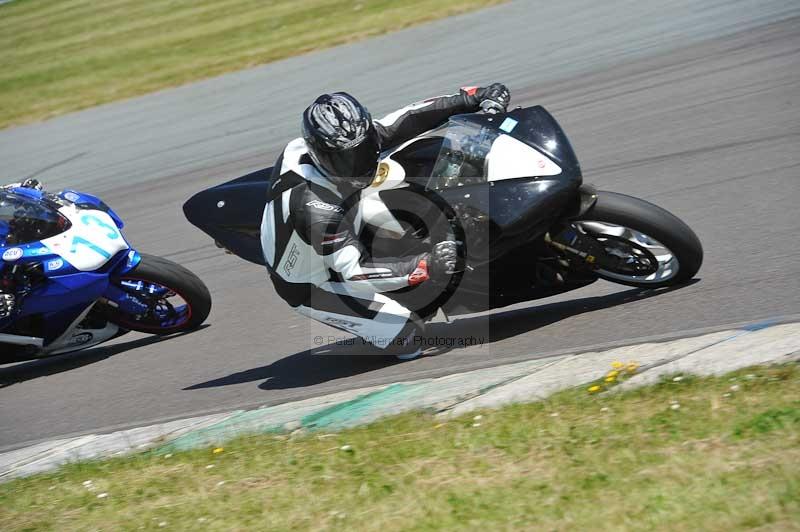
pixel 53 265
pixel 125 301
pixel 80 241
pixel 140 299
pixel 133 260
pixel 37 250
pixel 36 253
pixel 90 242
pixel 112 234
pixel 88 220
pixel 13 254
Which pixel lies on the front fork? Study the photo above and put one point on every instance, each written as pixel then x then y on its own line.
pixel 117 293
pixel 577 248
pixel 132 261
pixel 578 251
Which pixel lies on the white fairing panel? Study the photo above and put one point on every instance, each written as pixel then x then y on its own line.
pixel 509 158
pixel 371 209
pixel 91 242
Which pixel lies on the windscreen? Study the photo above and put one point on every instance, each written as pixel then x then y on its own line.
pixel 24 220
pixel 462 157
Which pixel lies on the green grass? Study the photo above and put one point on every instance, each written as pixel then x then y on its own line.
pixel 64 55
pixel 724 460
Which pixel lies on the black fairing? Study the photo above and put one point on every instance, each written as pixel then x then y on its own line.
pixel 231 213
pixel 539 129
pixel 500 216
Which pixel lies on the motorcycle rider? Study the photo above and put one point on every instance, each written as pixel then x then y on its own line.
pixel 7 288
pixel 7 297
pixel 310 229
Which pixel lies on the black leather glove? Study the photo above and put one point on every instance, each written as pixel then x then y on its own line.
pixel 444 260
pixel 495 96
pixel 6 304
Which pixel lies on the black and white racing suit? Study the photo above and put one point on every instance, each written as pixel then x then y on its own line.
pixel 310 237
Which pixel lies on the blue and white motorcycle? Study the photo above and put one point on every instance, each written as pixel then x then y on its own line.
pixel 77 282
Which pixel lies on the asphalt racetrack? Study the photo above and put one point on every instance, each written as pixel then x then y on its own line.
pixel 693 106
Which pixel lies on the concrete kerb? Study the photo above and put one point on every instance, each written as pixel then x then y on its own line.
pixel 585 367
pixel 355 407
pixel 44 456
pixel 775 344
pixel 452 395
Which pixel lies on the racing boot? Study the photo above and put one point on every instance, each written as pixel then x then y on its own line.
pixel 406 345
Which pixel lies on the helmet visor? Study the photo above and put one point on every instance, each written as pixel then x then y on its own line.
pixel 355 165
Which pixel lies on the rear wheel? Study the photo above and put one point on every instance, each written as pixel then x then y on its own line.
pixel 162 298
pixel 652 248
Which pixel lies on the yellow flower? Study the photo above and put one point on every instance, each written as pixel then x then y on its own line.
pixel 610 379
pixel 595 388
pixel 631 367
pixel 617 364
pixel 612 373
pixel 218 450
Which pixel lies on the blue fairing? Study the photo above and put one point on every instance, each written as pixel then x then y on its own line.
pixel 65 291
pixel 31 193
pixel 63 299
pixel 60 293
pixel 83 199
pixel 68 292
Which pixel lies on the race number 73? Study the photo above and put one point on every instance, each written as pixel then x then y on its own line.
pixel 110 232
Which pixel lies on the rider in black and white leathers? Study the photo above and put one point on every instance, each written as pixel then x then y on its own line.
pixel 311 243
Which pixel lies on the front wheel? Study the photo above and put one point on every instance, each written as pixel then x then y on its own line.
pixel 650 247
pixel 160 297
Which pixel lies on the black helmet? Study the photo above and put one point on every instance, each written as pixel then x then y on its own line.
pixel 342 140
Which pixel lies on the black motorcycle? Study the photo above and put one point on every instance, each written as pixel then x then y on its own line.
pixel 510 188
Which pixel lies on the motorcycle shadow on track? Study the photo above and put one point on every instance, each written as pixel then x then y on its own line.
pixel 44 367
pixel 323 364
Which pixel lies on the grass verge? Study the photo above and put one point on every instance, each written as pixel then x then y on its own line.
pixel 64 55
pixel 686 454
